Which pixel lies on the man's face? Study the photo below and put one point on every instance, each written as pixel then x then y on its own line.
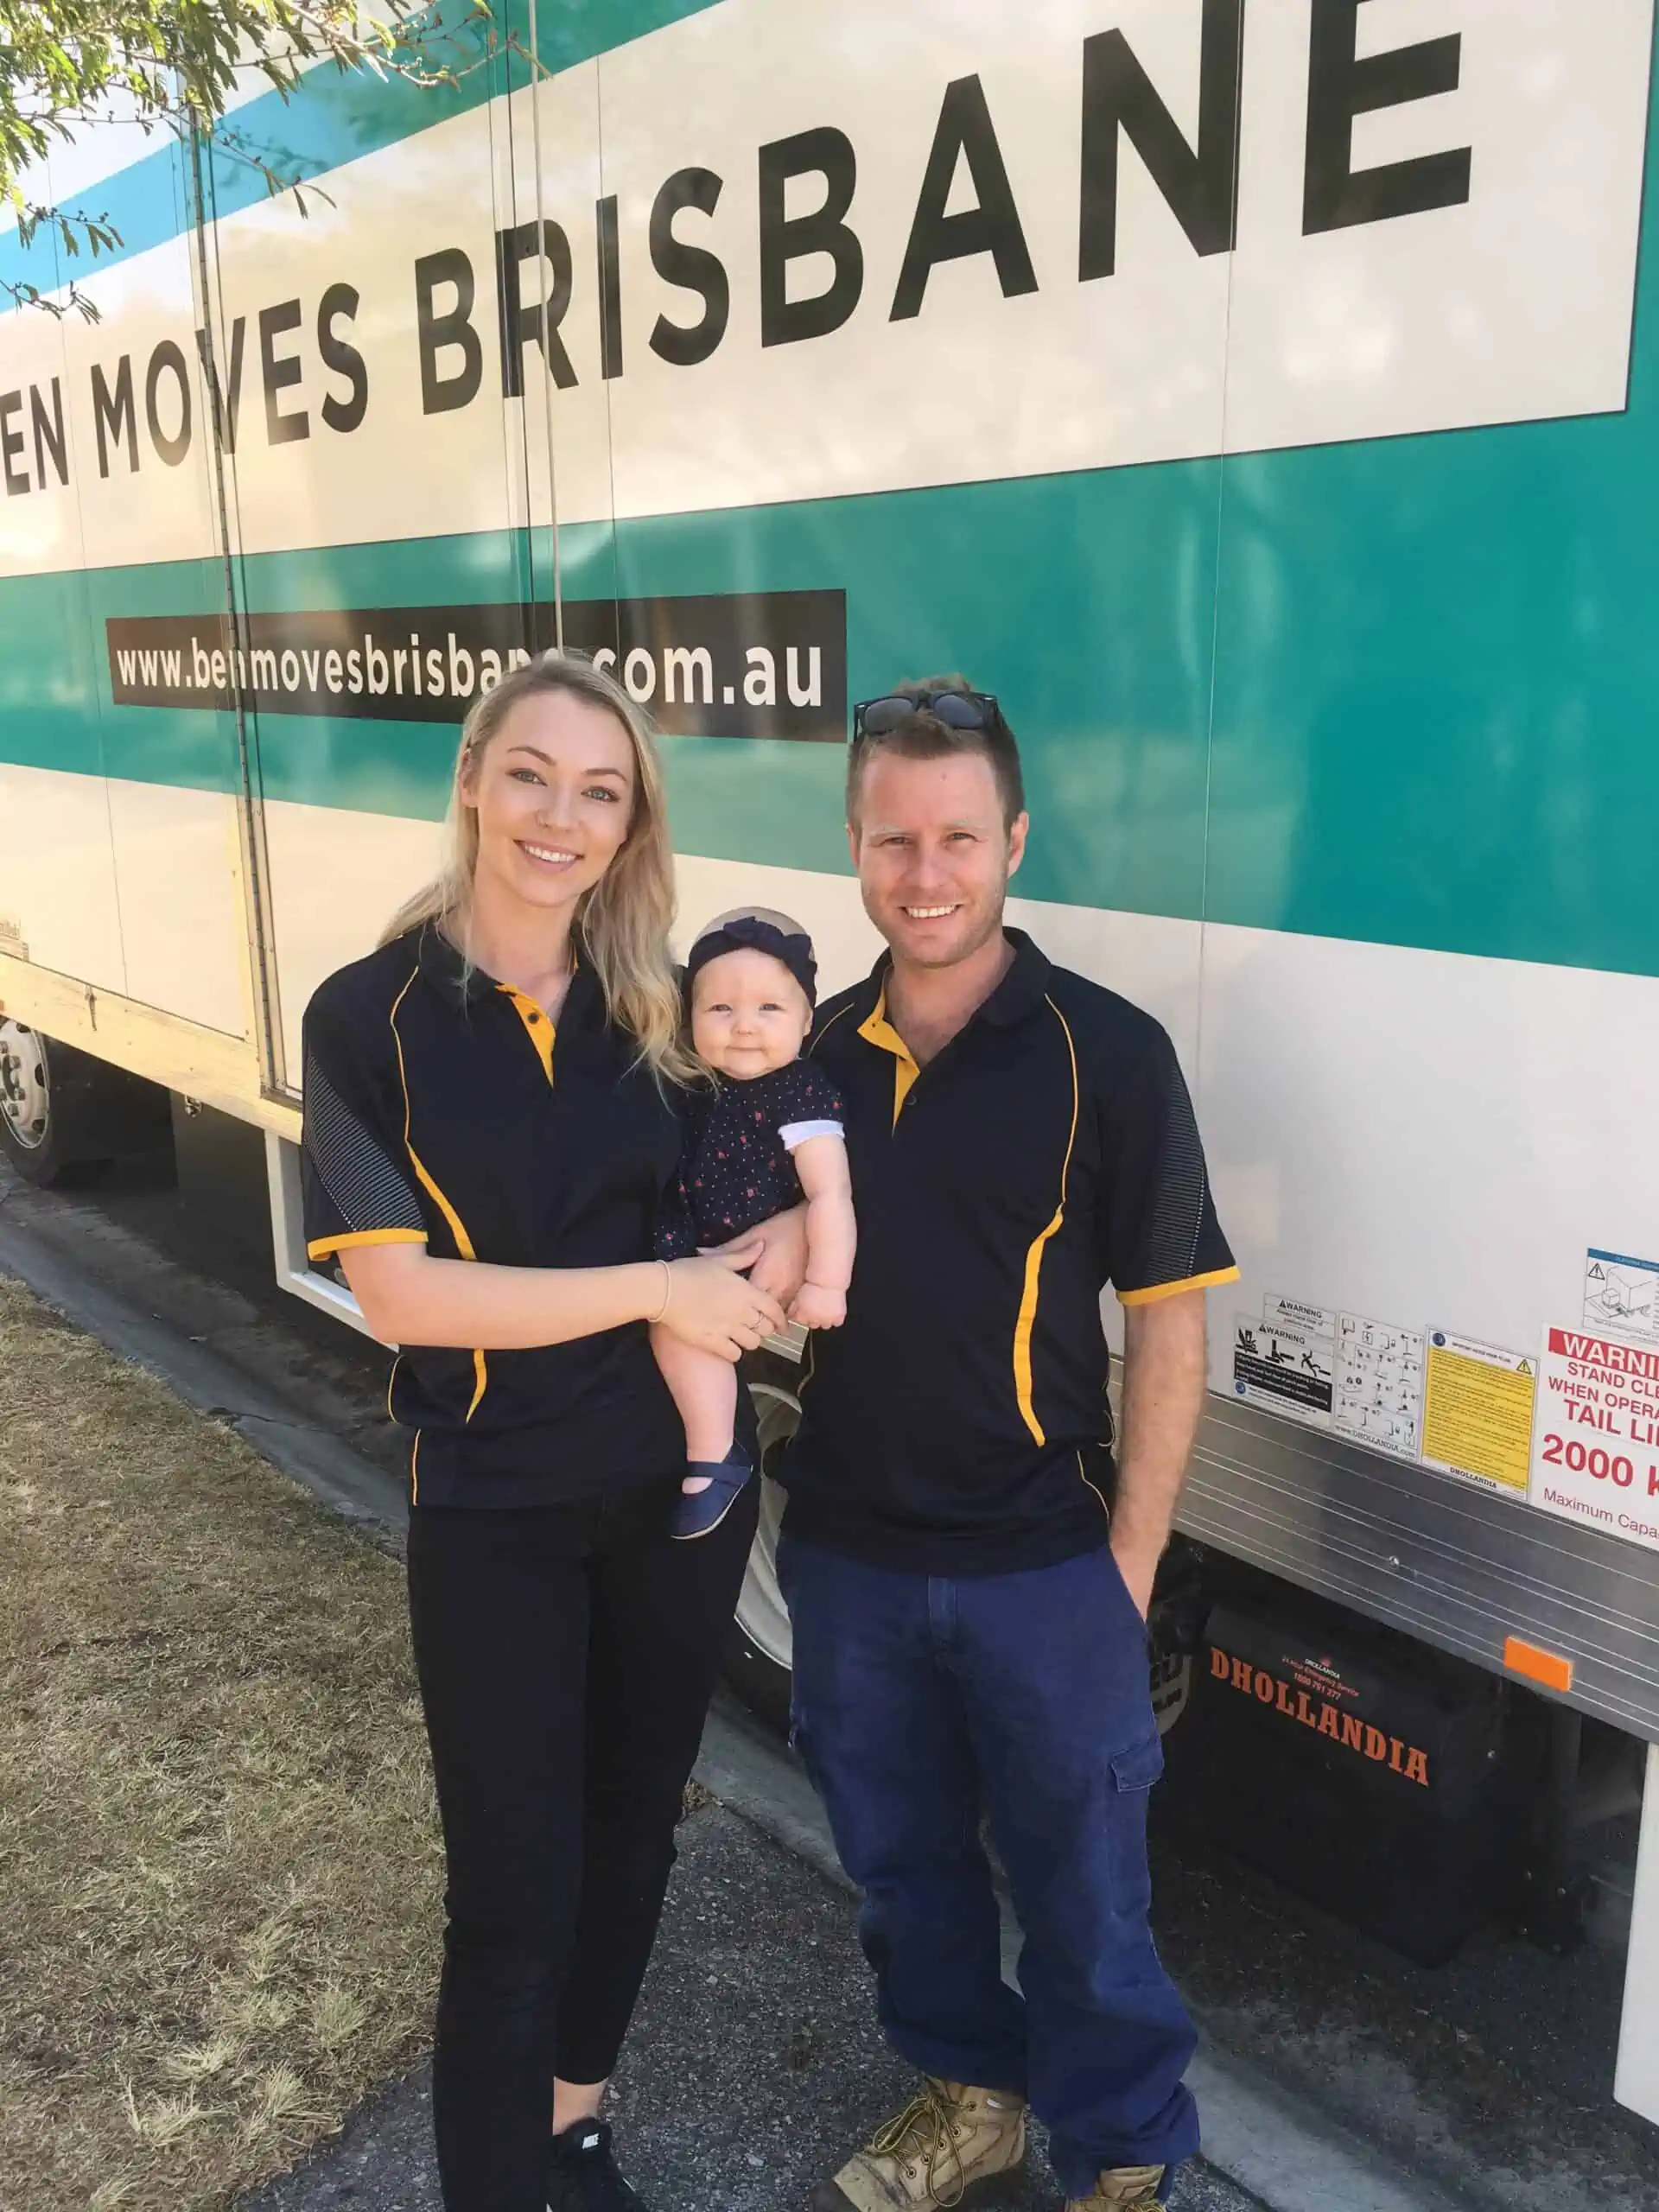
pixel 932 854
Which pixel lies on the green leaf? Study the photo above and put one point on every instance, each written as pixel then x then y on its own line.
pixel 177 64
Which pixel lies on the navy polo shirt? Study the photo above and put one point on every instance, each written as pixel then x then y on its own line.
pixel 958 1423
pixel 444 1109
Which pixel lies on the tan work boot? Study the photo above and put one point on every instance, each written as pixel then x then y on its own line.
pixel 1122 2188
pixel 951 2146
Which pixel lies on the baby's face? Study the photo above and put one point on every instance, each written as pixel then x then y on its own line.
pixel 748 1014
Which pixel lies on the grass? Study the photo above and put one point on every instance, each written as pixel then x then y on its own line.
pixel 219 1856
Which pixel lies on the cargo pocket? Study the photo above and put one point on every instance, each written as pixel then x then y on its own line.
pixel 1132 1773
pixel 1138 1767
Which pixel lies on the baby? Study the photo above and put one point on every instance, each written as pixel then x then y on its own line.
pixel 767 1134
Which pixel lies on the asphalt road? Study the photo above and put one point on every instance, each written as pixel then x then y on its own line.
pixel 1486 2083
pixel 754 2065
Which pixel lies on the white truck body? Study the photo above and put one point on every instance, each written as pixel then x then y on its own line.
pixel 1263 399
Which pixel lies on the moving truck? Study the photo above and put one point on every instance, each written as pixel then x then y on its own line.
pixel 1261 396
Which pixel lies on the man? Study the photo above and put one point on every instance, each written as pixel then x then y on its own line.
pixel 968 1574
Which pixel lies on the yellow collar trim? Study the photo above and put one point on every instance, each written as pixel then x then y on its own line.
pixel 876 1029
pixel 540 1031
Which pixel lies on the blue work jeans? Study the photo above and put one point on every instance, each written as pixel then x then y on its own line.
pixel 919 1699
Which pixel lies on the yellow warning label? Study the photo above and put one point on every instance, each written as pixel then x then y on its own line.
pixel 1477 1411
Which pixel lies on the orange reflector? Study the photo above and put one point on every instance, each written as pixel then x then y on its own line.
pixel 1546 1667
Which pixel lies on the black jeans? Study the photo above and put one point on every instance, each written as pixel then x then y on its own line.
pixel 565 1657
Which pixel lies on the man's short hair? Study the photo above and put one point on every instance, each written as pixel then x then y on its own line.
pixel 923 736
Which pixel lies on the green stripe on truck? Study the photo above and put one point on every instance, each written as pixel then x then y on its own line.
pixel 1420 711
pixel 334 116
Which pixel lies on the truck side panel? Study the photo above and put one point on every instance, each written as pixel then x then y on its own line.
pixel 1305 541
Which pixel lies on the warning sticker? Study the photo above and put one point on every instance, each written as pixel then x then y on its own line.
pixel 1596 1456
pixel 1283 1369
pixel 1477 1411
pixel 1379 1383
pixel 1294 1313
pixel 1621 1294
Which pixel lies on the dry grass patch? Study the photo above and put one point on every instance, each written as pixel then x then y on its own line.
pixel 218 1858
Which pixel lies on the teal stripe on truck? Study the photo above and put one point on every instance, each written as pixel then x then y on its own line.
pixel 1434 664
pixel 56 709
pixel 335 116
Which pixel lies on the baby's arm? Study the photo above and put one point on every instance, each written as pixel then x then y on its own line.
pixel 831 1232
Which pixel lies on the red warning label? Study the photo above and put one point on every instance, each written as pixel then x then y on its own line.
pixel 1595 1448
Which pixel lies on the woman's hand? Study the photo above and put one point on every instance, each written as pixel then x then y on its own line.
pixel 711 1306
pixel 779 1264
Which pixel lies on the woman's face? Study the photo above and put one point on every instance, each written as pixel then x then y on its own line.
pixel 555 793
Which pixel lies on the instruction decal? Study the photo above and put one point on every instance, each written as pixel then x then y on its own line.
pixel 1284 1368
pixel 1477 1412
pixel 1621 1294
pixel 1596 1455
pixel 1379 1385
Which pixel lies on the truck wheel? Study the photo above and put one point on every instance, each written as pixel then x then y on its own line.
pixel 64 1115
pixel 758 1658
pixel 27 1125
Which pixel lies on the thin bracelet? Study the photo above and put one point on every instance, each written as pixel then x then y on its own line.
pixel 668 1292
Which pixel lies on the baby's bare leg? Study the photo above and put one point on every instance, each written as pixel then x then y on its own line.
pixel 704 1387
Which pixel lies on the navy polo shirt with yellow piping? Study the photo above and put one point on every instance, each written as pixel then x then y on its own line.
pixel 444 1109
pixel 957 1423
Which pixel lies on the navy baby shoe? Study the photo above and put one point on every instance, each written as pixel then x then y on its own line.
pixel 700 1512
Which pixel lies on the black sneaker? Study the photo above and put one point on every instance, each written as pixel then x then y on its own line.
pixel 582 2175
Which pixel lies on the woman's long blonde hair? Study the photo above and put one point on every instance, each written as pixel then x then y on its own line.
pixel 622 925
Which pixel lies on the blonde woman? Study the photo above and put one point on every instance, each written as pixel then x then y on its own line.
pixel 491 1122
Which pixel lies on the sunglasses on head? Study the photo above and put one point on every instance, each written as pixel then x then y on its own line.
pixel 956 710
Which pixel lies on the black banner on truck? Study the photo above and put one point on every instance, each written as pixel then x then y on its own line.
pixel 750 664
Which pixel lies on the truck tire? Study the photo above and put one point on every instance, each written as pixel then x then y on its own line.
pixel 64 1115
pixel 757 1657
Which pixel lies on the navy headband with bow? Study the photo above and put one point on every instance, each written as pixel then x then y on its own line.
pixel 749 933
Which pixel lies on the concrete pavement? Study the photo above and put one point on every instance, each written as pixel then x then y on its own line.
pixel 755 2063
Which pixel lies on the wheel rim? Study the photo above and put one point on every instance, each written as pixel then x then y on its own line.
pixel 25 1098
pixel 761 1613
